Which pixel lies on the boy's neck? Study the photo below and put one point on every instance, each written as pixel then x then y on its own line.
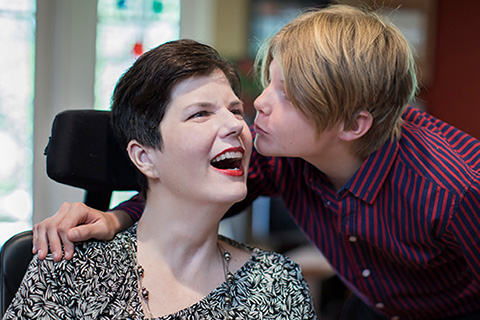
pixel 339 168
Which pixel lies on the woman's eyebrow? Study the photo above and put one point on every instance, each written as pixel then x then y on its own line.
pixel 199 104
pixel 236 103
pixel 209 104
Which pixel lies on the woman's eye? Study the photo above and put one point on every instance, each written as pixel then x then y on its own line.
pixel 238 112
pixel 199 114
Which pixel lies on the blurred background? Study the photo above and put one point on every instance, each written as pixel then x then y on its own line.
pixel 68 54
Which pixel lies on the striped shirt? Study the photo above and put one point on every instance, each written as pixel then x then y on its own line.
pixel 404 233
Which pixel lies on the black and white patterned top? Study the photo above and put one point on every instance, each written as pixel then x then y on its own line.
pixel 100 283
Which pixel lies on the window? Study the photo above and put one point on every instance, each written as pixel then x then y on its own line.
pixel 126 29
pixel 17 59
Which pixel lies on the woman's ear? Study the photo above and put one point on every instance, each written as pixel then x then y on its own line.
pixel 359 127
pixel 141 158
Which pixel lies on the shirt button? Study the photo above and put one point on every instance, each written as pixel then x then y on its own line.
pixel 379 305
pixel 352 239
pixel 366 273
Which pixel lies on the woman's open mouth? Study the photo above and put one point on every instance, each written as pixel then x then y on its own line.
pixel 229 162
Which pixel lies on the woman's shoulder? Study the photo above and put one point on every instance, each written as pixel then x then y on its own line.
pixel 102 260
pixel 119 239
pixel 269 277
pixel 115 251
pixel 265 261
pixel 277 263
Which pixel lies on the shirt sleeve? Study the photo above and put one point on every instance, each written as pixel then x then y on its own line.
pixel 464 144
pixel 464 228
pixel 133 207
pixel 465 224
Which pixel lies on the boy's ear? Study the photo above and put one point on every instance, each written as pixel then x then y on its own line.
pixel 359 127
pixel 141 158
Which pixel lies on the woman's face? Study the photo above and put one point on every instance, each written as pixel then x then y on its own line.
pixel 206 143
pixel 281 129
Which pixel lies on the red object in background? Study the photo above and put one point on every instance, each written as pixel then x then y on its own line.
pixel 138 49
pixel 453 96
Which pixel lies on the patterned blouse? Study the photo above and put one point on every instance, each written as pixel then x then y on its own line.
pixel 100 283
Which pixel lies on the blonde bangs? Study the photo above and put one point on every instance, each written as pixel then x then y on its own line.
pixel 340 60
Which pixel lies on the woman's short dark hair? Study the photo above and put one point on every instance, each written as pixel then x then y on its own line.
pixel 143 92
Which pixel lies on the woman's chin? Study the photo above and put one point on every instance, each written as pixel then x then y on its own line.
pixel 236 196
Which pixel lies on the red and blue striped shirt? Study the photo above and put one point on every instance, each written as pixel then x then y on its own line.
pixel 404 232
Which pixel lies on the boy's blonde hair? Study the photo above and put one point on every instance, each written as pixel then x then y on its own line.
pixel 340 60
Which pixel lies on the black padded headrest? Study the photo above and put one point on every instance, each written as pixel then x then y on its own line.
pixel 82 152
pixel 15 256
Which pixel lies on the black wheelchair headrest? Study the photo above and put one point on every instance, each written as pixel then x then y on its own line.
pixel 83 152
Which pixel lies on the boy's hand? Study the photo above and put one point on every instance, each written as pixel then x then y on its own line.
pixel 72 223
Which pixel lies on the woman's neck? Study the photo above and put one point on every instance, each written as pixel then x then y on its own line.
pixel 177 247
pixel 182 226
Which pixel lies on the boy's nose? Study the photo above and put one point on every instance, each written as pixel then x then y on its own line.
pixel 261 104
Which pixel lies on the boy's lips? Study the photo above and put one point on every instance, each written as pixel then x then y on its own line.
pixel 258 129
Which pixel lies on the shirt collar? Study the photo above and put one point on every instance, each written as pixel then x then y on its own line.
pixel 368 180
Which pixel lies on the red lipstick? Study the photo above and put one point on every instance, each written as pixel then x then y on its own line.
pixel 229 162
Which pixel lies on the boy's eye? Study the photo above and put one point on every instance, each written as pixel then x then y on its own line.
pixel 284 94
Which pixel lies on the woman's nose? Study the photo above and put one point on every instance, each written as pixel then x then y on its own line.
pixel 233 125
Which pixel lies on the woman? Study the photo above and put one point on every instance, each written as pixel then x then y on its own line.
pixel 178 113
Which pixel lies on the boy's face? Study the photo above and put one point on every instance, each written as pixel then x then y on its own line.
pixel 283 130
